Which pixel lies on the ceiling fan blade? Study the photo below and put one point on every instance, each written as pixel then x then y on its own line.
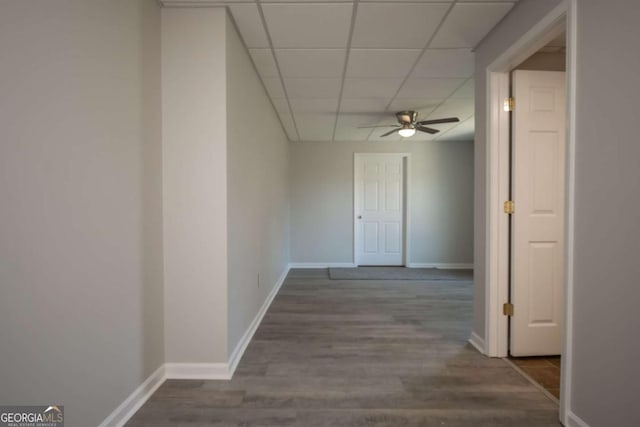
pixel 378 126
pixel 427 130
pixel 436 121
pixel 389 133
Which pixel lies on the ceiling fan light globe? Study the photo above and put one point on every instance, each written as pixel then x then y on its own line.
pixel 407 132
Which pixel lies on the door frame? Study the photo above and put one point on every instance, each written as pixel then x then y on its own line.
pixel 497 179
pixel 406 173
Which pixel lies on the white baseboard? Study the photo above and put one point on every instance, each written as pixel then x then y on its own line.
pixel 197 371
pixel 190 371
pixel 321 265
pixel 476 341
pixel 441 265
pixel 246 338
pixel 575 421
pixel 131 404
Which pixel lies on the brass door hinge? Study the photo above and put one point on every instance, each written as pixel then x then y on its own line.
pixel 509 207
pixel 509 104
pixel 507 309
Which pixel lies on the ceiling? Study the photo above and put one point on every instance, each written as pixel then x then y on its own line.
pixel 332 66
pixel 557 45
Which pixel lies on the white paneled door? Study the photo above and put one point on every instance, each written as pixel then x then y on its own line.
pixel 379 209
pixel 538 188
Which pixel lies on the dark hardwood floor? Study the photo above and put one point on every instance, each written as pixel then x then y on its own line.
pixel 544 370
pixel 359 353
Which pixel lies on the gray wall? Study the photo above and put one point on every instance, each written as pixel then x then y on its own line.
pixel 606 378
pixel 258 191
pixel 195 184
pixel 441 205
pixel 80 182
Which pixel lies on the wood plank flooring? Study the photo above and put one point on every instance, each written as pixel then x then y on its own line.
pixel 359 353
pixel 544 370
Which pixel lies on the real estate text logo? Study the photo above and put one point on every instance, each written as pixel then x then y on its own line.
pixel 32 416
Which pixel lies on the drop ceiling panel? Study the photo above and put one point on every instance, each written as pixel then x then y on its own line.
pixel 395 60
pixel 396 25
pixel 381 62
pixel 281 105
pixel 364 105
pixel 312 88
pixel 249 25
pixel 377 132
pixel 443 128
pixel 460 108
pixel 359 120
pixel 289 127
pixel 313 25
pixel 422 136
pixel 468 23
pixel 347 127
pixel 314 126
pixel 421 105
pixel 265 64
pixel 370 88
pixel 429 88
pixel 274 87
pixel 311 62
pixel 467 90
pixel 387 119
pixel 314 105
pixel 388 122
pixel 463 132
pixel 445 63
pixel 351 134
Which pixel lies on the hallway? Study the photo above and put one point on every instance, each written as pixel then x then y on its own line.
pixel 354 353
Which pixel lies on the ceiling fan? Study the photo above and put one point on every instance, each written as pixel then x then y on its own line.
pixel 407 124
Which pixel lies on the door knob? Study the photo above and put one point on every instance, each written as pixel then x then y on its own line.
pixel 359 216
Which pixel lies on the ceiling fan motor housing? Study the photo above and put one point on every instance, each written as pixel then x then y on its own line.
pixel 406 117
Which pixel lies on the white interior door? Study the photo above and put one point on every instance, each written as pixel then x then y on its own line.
pixel 379 209
pixel 538 187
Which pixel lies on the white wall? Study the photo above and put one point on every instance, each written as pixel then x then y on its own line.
pixel 605 376
pixel 441 200
pixel 80 224
pixel 194 184
pixel 258 191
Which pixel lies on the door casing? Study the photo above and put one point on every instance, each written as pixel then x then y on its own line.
pixel 495 342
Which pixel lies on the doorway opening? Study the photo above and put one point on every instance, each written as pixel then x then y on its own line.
pixel 498 275
pixel 537 187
